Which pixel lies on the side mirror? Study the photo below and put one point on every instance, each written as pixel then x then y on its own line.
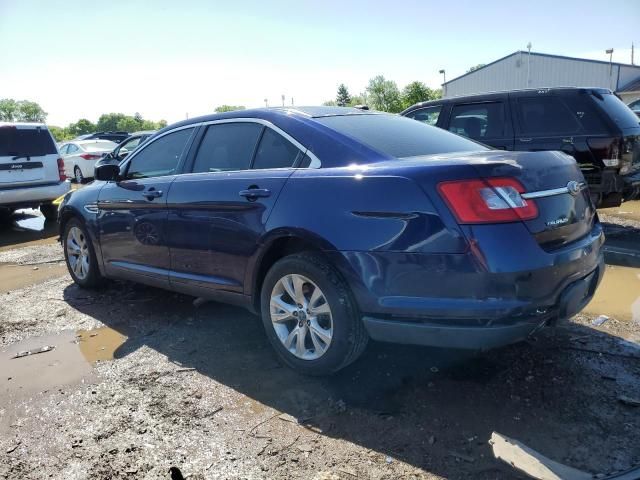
pixel 123 153
pixel 107 172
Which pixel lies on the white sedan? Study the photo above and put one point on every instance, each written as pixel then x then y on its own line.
pixel 81 156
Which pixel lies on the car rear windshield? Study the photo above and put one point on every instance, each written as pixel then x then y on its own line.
pixel 29 142
pixel 98 145
pixel 617 110
pixel 399 136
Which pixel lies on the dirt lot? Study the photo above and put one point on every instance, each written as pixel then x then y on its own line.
pixel 141 380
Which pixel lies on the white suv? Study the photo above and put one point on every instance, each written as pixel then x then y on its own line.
pixel 31 169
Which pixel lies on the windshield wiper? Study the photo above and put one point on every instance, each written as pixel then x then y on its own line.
pixel 17 157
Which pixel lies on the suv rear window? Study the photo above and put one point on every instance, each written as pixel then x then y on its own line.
pixel 617 110
pixel 30 142
pixel 399 136
pixel 545 116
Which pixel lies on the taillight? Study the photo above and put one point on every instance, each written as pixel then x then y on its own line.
pixel 61 173
pixel 493 200
pixel 89 156
pixel 607 150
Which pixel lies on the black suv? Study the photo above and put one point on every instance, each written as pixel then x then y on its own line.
pixel 591 124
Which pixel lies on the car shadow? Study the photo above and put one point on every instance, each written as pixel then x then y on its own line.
pixel 431 408
pixel 24 226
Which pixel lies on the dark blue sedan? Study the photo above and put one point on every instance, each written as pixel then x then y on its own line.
pixel 338 225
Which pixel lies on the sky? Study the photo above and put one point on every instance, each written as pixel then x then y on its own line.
pixel 170 59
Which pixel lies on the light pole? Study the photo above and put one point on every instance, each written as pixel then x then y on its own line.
pixel 610 52
pixel 444 80
pixel 529 65
pixel 283 99
pixel 266 103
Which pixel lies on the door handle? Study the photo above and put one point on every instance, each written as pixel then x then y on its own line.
pixel 152 193
pixel 525 139
pixel 252 194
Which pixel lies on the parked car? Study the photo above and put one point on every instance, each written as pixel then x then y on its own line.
pixel 129 145
pixel 31 169
pixel 116 137
pixel 80 157
pixel 635 107
pixel 338 224
pixel 590 124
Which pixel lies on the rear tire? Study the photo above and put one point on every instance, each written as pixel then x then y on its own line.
pixel 49 211
pixel 80 256
pixel 77 175
pixel 332 331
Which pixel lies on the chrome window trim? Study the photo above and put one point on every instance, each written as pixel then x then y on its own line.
pixel 315 161
pixel 551 192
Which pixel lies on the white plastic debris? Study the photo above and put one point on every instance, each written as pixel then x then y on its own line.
pixel 599 320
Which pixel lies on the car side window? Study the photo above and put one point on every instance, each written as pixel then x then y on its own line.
pixel 71 149
pixel 478 121
pixel 275 151
pixel 227 147
pixel 129 145
pixel 428 115
pixel 161 157
pixel 545 116
pixel 63 149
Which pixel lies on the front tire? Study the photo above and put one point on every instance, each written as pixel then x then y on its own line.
pixel 80 256
pixel 49 211
pixel 309 316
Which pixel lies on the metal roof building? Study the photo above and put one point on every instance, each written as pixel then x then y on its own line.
pixel 538 70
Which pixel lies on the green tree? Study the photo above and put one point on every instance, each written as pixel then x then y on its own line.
pixel 60 134
pixel 128 124
pixel 417 92
pixel 81 127
pixel 358 100
pixel 108 122
pixel 30 112
pixel 343 98
pixel 8 109
pixel 161 123
pixel 472 69
pixel 330 103
pixel 228 108
pixel 384 95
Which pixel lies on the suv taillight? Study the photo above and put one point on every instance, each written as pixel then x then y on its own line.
pixel 61 173
pixel 606 149
pixel 89 156
pixel 493 200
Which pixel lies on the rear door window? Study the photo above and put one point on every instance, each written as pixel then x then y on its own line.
pixel 275 151
pixel 25 142
pixel 620 113
pixel 161 157
pixel 227 147
pixel 428 115
pixel 545 116
pixel 478 121
pixel 71 149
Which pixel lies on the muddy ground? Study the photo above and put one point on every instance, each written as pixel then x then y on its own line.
pixel 141 380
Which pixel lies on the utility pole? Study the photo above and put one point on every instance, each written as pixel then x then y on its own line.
pixel 292 101
pixel 632 54
pixel 266 103
pixel 283 99
pixel 529 65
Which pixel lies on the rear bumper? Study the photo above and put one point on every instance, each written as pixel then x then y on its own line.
pixel 462 334
pixel 452 301
pixel 31 196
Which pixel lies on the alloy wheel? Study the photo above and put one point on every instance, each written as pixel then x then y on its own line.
pixel 301 317
pixel 78 254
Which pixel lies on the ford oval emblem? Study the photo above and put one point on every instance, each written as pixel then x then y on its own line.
pixel 573 187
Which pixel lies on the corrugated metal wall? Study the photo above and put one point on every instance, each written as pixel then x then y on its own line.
pixel 511 74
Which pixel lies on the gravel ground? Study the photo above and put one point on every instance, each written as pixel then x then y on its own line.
pixel 200 389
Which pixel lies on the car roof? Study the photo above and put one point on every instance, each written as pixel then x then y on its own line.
pixel 23 124
pixel 490 95
pixel 143 132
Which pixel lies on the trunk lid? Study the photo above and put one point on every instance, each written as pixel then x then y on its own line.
pixel 28 155
pixel 554 182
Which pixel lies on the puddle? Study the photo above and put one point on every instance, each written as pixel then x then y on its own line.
pixel 13 277
pixel 630 210
pixel 99 344
pixel 22 378
pixel 618 295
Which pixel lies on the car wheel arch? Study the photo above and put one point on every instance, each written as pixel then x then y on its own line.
pixel 275 248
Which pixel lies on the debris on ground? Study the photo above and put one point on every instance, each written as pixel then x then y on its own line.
pixel 26 353
pixel 599 320
pixel 534 464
